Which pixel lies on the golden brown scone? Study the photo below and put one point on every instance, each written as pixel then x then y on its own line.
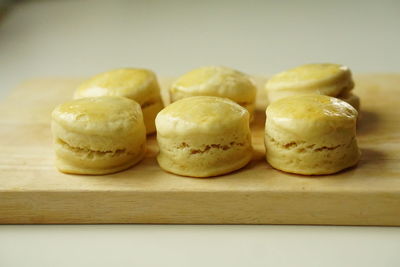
pixel 139 85
pixel 311 135
pixel 203 136
pixel 216 81
pixel 322 79
pixel 98 135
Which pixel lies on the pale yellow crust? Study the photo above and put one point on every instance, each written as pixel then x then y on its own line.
pixel 216 81
pixel 323 79
pixel 98 135
pixel 203 136
pixel 311 135
pixel 140 85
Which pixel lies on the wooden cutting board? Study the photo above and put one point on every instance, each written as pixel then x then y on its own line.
pixel 33 191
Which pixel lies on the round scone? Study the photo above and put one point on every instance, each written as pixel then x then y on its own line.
pixel 216 81
pixel 98 135
pixel 322 79
pixel 311 135
pixel 139 85
pixel 203 136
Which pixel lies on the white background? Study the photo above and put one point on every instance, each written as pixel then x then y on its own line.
pixel 81 38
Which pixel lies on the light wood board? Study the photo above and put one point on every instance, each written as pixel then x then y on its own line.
pixel 33 191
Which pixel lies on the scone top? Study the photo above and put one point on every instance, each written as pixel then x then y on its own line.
pixel 312 107
pixel 104 116
pixel 138 84
pixel 312 116
pixel 201 114
pixel 325 79
pixel 215 81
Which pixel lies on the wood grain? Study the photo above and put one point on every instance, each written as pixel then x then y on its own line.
pixel 33 191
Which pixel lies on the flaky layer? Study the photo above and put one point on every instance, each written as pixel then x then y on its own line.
pixel 128 139
pixel 298 156
pixel 185 156
pixel 84 161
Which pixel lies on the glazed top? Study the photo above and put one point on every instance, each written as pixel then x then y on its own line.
pixel 137 84
pixel 215 81
pixel 201 114
pixel 322 78
pixel 98 115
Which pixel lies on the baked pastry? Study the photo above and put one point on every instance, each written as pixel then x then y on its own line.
pixel 139 85
pixel 216 81
pixel 323 79
pixel 98 135
pixel 203 136
pixel 311 135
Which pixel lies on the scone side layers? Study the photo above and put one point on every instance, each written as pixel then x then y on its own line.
pixel 127 139
pixel 91 154
pixel 86 161
pixel 204 156
pixel 292 152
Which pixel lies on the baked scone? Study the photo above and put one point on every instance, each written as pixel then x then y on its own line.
pixel 216 81
pixel 311 135
pixel 139 85
pixel 203 136
pixel 98 135
pixel 323 79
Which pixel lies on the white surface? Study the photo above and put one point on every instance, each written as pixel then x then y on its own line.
pixel 80 38
pixel 186 245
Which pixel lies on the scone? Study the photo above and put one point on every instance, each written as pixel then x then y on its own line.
pixel 139 85
pixel 216 81
pixel 98 135
pixel 323 79
pixel 311 135
pixel 203 136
